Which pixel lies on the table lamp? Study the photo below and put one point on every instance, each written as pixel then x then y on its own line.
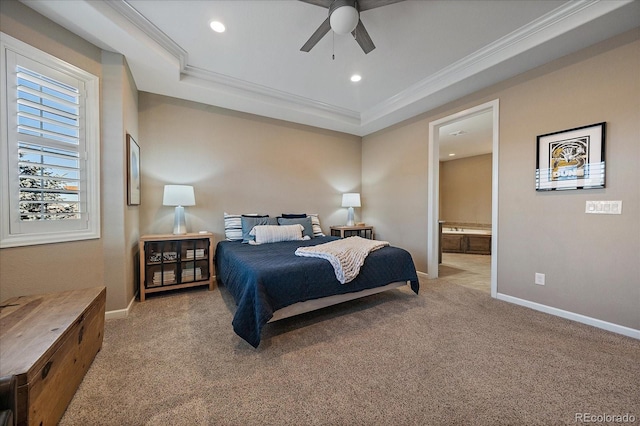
pixel 350 200
pixel 179 196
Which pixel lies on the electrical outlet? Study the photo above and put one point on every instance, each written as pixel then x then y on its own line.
pixel 539 279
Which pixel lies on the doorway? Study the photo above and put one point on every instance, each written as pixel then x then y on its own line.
pixel 433 195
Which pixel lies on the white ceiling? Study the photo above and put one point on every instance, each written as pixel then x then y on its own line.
pixel 467 137
pixel 427 52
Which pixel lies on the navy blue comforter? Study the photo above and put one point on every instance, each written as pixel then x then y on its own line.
pixel 264 278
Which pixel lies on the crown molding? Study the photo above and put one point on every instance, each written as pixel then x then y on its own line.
pixel 153 32
pixel 414 99
pixel 247 88
pixel 561 20
pixel 257 89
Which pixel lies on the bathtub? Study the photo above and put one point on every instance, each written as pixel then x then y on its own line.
pixel 466 231
pixel 465 240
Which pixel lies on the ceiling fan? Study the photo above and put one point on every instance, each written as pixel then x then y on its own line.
pixel 344 17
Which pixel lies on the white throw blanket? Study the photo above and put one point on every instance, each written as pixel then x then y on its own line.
pixel 346 255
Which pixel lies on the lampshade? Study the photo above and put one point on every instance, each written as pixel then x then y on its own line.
pixel 344 19
pixel 178 195
pixel 351 199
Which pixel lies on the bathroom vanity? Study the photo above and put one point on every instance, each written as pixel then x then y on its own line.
pixel 465 238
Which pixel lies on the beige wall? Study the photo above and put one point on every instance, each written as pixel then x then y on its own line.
pixel 49 267
pixel 131 213
pixel 394 186
pixel 591 262
pixel 107 261
pixel 465 190
pixel 120 222
pixel 240 163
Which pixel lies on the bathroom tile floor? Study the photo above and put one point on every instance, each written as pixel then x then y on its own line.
pixel 468 270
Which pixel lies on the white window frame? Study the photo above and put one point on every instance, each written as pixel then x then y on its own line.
pixel 12 232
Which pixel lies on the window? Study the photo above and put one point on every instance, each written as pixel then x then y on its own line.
pixel 50 149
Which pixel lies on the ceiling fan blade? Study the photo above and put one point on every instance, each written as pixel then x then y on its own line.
pixel 315 37
pixel 322 3
pixel 363 39
pixel 372 4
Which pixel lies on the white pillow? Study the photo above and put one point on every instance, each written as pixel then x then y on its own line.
pixel 276 233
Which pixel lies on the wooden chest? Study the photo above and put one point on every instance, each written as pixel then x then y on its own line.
pixel 49 341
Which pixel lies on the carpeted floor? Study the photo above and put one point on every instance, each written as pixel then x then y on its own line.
pixel 450 356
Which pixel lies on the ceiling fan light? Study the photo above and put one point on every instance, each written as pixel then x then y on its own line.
pixel 344 20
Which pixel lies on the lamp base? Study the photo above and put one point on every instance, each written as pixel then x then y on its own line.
pixel 350 221
pixel 179 224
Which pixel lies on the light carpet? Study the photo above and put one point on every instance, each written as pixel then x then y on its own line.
pixel 449 356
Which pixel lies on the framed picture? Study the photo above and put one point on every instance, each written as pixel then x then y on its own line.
pixel 571 159
pixel 133 172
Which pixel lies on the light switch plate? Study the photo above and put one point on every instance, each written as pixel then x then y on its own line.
pixel 603 207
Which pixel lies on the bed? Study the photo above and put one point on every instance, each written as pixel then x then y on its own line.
pixel 269 282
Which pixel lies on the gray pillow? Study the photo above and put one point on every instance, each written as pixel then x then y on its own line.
pixel 305 222
pixel 248 222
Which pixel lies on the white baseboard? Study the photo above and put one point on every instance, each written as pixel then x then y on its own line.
pixel 615 328
pixel 120 313
pixel 123 313
pixel 423 275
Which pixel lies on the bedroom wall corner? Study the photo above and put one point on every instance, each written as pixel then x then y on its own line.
pixel 45 268
pixel 120 221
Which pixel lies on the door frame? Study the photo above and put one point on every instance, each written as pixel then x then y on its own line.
pixel 433 188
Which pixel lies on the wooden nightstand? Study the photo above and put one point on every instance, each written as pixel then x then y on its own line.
pixel 363 231
pixel 169 262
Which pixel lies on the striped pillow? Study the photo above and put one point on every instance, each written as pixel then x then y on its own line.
pixel 315 223
pixel 275 233
pixel 233 227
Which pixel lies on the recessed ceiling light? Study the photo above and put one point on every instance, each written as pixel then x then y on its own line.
pixel 355 78
pixel 457 133
pixel 452 154
pixel 217 26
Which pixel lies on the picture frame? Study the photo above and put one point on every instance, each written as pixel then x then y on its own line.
pixel 571 159
pixel 133 172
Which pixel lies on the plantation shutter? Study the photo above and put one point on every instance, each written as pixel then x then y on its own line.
pixel 47 146
pixel 49 150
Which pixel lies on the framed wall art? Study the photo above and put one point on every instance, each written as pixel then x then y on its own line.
pixel 571 159
pixel 133 172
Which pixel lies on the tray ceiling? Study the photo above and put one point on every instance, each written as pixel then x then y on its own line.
pixel 427 52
